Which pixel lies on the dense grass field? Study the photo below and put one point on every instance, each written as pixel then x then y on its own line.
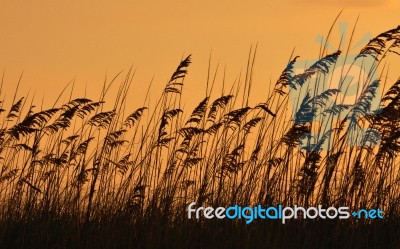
pixel 78 175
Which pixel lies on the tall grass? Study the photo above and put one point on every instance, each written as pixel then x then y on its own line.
pixel 78 175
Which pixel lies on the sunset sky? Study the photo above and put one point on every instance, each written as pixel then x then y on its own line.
pixel 54 42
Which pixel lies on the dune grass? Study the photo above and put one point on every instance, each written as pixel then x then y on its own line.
pixel 78 175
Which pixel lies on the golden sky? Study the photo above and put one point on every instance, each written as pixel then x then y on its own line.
pixel 54 42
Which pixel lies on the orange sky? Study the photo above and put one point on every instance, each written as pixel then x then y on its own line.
pixel 53 42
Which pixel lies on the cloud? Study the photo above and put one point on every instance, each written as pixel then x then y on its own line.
pixel 354 3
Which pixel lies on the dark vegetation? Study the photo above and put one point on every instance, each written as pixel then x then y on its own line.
pixel 78 175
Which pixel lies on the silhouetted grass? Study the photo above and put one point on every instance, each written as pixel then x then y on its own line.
pixel 78 175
